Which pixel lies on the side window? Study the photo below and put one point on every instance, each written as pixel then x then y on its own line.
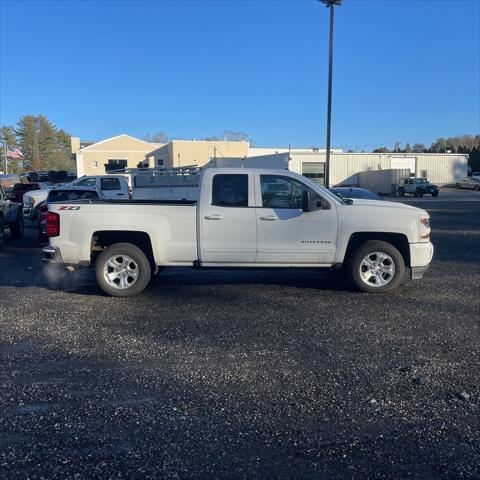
pixel 110 184
pixel 282 192
pixel 88 182
pixel 2 193
pixel 230 190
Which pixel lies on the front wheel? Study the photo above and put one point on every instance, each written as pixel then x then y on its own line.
pixel 476 188
pixel 122 270
pixel 376 267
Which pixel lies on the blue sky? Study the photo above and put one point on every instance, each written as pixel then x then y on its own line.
pixel 403 70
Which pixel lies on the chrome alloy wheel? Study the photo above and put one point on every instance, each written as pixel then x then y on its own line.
pixel 120 271
pixel 377 269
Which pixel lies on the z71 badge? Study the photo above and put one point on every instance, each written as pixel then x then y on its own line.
pixel 67 207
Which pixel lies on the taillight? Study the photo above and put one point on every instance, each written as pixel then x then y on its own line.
pixel 52 224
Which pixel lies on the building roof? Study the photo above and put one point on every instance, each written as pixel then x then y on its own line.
pixel 141 143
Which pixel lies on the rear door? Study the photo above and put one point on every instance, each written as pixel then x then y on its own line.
pixel 227 219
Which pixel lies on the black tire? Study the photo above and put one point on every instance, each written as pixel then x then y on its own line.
pixel 401 192
pixel 354 266
pixel 418 193
pixel 17 228
pixel 476 188
pixel 143 269
pixel 435 194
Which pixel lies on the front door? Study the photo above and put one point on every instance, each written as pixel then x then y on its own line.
pixel 228 222
pixel 285 233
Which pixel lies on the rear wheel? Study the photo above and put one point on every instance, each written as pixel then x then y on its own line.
pixel 476 188
pixel 17 228
pixel 122 270
pixel 376 267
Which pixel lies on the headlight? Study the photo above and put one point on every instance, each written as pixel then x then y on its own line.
pixel 28 201
pixel 424 229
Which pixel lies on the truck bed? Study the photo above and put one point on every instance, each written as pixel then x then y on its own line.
pixel 127 201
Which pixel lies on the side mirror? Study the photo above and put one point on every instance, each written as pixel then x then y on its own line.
pixel 311 202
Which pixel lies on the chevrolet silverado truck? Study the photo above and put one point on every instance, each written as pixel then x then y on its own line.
pixel 242 218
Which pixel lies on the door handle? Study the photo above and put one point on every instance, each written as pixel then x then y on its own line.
pixel 269 217
pixel 215 216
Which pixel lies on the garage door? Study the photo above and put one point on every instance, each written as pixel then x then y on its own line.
pixel 404 162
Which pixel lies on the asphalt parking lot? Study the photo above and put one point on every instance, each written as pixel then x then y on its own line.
pixel 245 374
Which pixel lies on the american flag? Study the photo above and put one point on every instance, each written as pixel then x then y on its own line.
pixel 14 152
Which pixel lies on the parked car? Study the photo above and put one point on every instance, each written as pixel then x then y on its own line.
pixel 242 219
pixel 354 192
pixel 61 194
pixel 470 182
pixel 19 190
pixel 33 200
pixel 418 187
pixel 10 217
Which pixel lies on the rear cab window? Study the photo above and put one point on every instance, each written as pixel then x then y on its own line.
pixel 56 196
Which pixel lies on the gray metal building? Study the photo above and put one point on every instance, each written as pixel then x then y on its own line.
pixel 441 169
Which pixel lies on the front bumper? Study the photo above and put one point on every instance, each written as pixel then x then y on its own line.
pixel 421 255
pixel 52 254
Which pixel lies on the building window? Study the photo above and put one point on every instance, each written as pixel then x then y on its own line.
pixel 94 164
pixel 159 162
pixel 115 164
pixel 315 171
pixel 423 174
pixel 230 190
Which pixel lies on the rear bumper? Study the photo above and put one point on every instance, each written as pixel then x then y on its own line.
pixel 52 254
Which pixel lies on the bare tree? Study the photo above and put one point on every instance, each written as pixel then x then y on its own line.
pixel 159 137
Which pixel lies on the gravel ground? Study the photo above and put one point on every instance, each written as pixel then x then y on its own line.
pixel 238 374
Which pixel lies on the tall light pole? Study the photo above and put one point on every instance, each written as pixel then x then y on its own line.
pixel 331 5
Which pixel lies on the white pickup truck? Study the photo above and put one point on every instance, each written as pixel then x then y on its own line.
pixel 243 218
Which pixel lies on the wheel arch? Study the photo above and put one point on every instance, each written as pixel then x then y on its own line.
pixel 102 239
pixel 398 240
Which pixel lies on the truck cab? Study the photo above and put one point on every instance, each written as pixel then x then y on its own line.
pixel 108 186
